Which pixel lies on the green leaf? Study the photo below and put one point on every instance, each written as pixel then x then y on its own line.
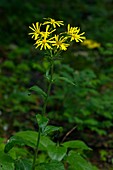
pixel 32 136
pixel 42 121
pixel 6 162
pixel 77 162
pixel 29 135
pixel 53 165
pixel 76 144
pixel 38 90
pixel 46 142
pixel 56 152
pixel 28 138
pixel 67 80
pixel 47 74
pixel 50 129
pixel 18 152
pixel 19 141
pixel 23 164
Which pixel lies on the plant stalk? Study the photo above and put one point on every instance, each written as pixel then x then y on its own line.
pixel 49 87
pixel 44 111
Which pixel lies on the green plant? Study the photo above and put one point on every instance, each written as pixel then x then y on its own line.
pixel 60 155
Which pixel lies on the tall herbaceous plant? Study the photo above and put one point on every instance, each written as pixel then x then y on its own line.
pixel 44 153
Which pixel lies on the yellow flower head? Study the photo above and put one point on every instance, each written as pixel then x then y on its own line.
pixel 53 22
pixel 36 30
pixel 44 43
pixel 91 44
pixel 60 42
pixel 73 32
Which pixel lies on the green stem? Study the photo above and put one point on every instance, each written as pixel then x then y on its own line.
pixel 44 110
pixel 49 87
pixel 36 150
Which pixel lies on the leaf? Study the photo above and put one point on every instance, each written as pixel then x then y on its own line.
pixel 67 80
pixel 32 136
pixel 50 129
pixel 6 162
pixel 28 138
pixel 23 164
pixel 38 90
pixel 76 144
pixel 47 74
pixel 53 165
pixel 46 142
pixel 18 152
pixel 17 140
pixel 91 122
pixel 56 152
pixel 77 162
pixel 42 121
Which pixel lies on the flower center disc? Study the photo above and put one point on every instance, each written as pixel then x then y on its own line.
pixel 52 21
pixel 44 41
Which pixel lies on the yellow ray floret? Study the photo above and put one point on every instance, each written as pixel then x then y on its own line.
pixel 47 32
pixel 60 42
pixel 36 30
pixel 71 30
pixel 53 22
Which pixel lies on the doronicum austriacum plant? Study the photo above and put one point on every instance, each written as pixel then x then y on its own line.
pixel 35 150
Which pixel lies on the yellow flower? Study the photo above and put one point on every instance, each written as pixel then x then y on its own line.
pixel 53 22
pixel 36 30
pixel 91 44
pixel 60 42
pixel 73 32
pixel 44 43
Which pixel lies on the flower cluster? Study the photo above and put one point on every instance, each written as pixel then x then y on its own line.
pixel 48 39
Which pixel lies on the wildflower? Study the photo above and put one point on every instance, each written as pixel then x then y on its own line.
pixel 91 44
pixel 60 42
pixel 73 32
pixel 36 30
pixel 53 22
pixel 44 43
